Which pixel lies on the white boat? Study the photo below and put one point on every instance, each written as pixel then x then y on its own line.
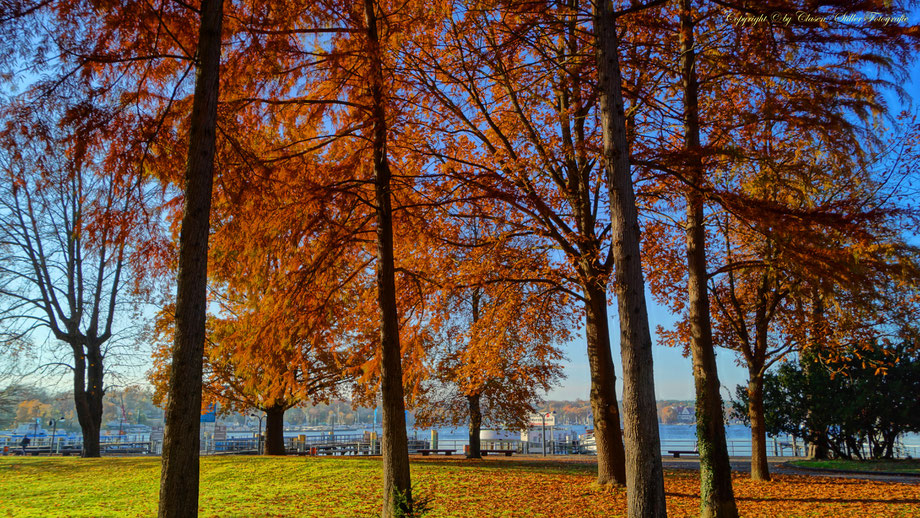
pixel 587 443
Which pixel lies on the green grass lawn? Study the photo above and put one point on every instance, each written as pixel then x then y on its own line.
pixel 235 486
pixel 892 466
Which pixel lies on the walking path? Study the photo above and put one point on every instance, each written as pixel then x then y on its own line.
pixel 779 466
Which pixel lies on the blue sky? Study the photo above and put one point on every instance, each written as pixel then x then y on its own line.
pixel 673 373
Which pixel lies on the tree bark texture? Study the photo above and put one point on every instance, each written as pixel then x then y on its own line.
pixel 611 457
pixel 397 487
pixel 644 476
pixel 274 431
pixel 475 426
pixel 716 494
pixel 717 497
pixel 179 476
pixel 87 393
pixel 759 468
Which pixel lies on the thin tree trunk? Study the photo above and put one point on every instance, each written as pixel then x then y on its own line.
pixel 475 426
pixel 717 497
pixel 854 448
pixel 274 431
pixel 875 447
pixel 179 474
pixel 474 399
pixel 397 486
pixel 644 476
pixel 611 458
pixel 759 468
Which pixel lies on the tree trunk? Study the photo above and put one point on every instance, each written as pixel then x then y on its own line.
pixel 179 475
pixel 854 448
pixel 819 441
pixel 474 399
pixel 611 458
pixel 717 497
pixel 475 426
pixel 87 393
pixel 808 358
pixel 838 446
pixel 644 476
pixel 274 430
pixel 817 432
pixel 890 439
pixel 397 488
pixel 759 468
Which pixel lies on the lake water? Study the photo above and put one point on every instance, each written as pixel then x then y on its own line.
pixel 672 436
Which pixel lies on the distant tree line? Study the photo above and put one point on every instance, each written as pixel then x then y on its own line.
pixel 24 403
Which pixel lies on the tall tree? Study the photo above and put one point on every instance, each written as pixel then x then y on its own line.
pixel 397 486
pixel 747 303
pixel 644 475
pixel 179 479
pixel 493 372
pixel 64 226
pixel 256 360
pixel 507 91
pixel 496 348
pixel 773 308
pixel 716 495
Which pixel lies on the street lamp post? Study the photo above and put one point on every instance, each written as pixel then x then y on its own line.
pixel 552 433
pixel 543 442
pixel 259 438
pixel 544 416
pixel 53 423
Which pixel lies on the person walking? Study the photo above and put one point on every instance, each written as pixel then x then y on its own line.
pixel 24 443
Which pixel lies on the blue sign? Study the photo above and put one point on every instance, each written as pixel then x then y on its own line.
pixel 209 415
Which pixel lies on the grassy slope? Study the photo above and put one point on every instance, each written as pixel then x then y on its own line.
pixel 349 487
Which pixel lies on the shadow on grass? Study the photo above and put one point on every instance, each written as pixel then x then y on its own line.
pixel 67 467
pixel 907 467
pixel 889 501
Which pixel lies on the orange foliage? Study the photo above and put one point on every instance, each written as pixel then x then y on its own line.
pixel 499 327
pixel 27 411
